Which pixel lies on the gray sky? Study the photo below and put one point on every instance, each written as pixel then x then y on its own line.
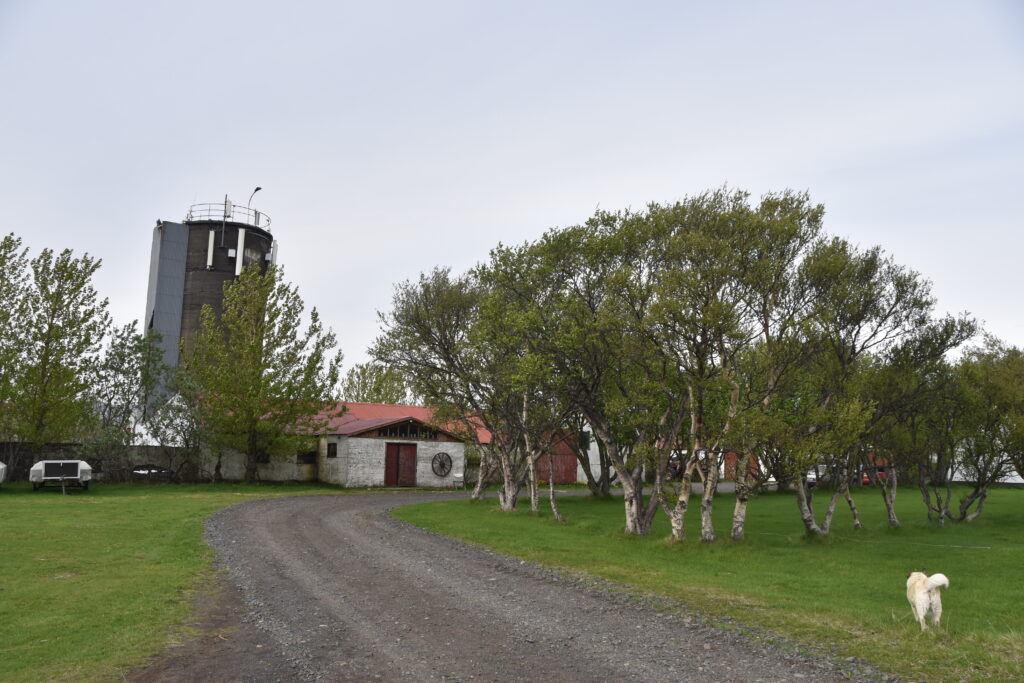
pixel 390 137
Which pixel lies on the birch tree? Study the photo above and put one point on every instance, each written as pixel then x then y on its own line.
pixel 908 386
pixel 591 280
pixel 432 336
pixel 862 303
pixel 992 388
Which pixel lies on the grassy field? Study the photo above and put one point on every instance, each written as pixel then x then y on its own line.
pixel 93 583
pixel 846 592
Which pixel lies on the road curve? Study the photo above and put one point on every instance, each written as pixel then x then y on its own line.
pixel 334 588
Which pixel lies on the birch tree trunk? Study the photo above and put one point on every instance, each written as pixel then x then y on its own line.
pixel 707 500
pixel 853 510
pixel 531 459
pixel 551 488
pixel 888 488
pixel 739 512
pixel 482 476
pixel 508 495
pixel 939 510
pixel 826 523
pixel 677 514
pixel 631 490
pixel 743 490
pixel 532 476
pixel 978 495
pixel 803 502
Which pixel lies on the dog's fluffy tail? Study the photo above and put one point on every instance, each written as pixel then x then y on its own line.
pixel 937 581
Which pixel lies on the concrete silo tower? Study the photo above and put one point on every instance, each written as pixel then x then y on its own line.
pixel 192 260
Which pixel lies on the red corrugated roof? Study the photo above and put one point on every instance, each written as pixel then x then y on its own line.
pixel 362 417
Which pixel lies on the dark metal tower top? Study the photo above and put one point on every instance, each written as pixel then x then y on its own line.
pixel 227 212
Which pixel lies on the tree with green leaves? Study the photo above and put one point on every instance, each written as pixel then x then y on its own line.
pixel 13 284
pixel 587 284
pixel 434 337
pixel 126 379
pixel 992 390
pixel 175 423
pixel 262 381
pixel 862 303
pixel 61 332
pixel 375 383
pixel 507 322
pixel 909 386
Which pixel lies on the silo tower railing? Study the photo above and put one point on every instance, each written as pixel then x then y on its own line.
pixel 229 212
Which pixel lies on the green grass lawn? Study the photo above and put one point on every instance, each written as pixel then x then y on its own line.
pixel 846 592
pixel 93 583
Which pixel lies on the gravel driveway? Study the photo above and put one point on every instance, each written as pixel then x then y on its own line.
pixel 333 588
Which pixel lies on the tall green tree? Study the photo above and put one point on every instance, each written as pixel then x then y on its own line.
pixel 61 331
pixel 376 383
pixel 909 386
pixel 262 381
pixel 505 327
pixel 433 335
pixel 862 303
pixel 589 284
pixel 13 284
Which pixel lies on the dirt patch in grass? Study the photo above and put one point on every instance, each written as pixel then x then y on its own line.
pixel 220 645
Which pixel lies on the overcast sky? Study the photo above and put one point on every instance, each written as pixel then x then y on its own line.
pixel 390 137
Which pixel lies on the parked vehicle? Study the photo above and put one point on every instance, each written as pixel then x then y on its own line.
pixel 60 473
pixel 152 472
pixel 867 479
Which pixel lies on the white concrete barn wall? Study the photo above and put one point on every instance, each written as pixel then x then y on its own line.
pixel 232 468
pixel 366 461
pixel 595 463
pixel 333 470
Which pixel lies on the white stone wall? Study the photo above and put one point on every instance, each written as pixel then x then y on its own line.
pixel 366 461
pixel 425 452
pixel 333 470
pixel 232 468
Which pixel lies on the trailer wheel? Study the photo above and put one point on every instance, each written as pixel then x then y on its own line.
pixel 35 486
pixel 85 485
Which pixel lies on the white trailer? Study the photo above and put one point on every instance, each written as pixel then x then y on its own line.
pixel 60 473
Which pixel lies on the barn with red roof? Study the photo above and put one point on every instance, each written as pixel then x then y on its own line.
pixel 376 444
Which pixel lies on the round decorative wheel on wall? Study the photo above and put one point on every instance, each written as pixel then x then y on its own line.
pixel 441 464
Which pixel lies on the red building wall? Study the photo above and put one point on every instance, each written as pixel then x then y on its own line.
pixel 564 463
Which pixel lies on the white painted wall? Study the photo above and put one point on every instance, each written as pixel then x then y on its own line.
pixel 333 470
pixel 232 468
pixel 595 463
pixel 360 462
pixel 366 461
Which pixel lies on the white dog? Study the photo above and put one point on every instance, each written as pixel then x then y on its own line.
pixel 923 594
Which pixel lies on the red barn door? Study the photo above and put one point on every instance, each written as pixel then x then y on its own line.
pixel 391 464
pixel 400 464
pixel 407 464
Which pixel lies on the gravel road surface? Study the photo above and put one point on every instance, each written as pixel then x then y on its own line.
pixel 332 588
